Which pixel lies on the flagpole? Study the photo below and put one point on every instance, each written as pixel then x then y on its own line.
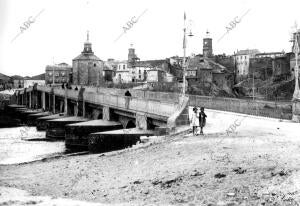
pixel 296 51
pixel 184 56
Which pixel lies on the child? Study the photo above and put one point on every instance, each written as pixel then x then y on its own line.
pixel 194 121
pixel 202 120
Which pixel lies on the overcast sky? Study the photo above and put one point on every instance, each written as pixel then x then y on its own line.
pixel 58 33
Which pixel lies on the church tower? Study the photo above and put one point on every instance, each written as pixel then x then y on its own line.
pixel 207 46
pixel 87 67
pixel 87 46
pixel 132 57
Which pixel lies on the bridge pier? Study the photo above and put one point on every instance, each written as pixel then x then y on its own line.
pixel 61 106
pixel 30 98
pixel 97 114
pixel 77 134
pixel 53 106
pixel 66 105
pixel 21 99
pixel 296 110
pixel 141 121
pixel 76 109
pixel 106 113
pixel 43 100
pixel 25 97
pixel 49 102
pixel 83 108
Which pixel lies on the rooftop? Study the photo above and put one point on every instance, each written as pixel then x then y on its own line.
pixel 247 51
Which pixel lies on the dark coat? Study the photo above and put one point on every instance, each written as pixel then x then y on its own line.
pixel 202 119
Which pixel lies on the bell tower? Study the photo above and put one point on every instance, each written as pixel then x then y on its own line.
pixel 207 46
pixel 87 45
pixel 132 57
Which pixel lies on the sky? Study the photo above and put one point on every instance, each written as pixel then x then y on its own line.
pixel 59 31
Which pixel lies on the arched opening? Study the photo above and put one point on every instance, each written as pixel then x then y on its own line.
pixel 130 124
pixel 100 116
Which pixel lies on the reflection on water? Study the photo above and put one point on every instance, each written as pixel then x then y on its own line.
pixel 15 147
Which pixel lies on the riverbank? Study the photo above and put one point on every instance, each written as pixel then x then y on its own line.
pixel 256 164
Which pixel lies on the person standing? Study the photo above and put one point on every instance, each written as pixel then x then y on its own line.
pixel 127 99
pixel 202 120
pixel 194 121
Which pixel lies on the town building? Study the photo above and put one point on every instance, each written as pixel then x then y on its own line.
pixel 123 74
pixel 18 81
pixel 265 65
pixel 132 57
pixel 134 70
pixel 110 68
pixel 6 82
pixel 242 62
pixel 281 67
pixel 87 68
pixel 38 79
pixel 203 70
pixel 261 68
pixel 269 54
pixel 58 74
pixel 158 70
pixel 207 46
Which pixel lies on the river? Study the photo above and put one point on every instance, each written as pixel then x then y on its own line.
pixel 26 144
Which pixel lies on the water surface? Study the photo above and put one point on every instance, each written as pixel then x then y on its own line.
pixel 15 146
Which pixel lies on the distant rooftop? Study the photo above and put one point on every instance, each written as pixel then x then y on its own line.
pixel 150 63
pixel 247 51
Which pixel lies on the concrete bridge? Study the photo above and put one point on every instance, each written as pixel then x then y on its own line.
pixel 101 103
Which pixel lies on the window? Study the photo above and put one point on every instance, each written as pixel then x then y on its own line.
pixel 63 74
pixel 124 66
pixel 56 74
pixel 95 65
pixel 50 73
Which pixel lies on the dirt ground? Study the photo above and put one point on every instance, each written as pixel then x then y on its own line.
pixel 257 164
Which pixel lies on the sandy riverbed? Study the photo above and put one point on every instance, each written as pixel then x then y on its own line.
pixel 258 164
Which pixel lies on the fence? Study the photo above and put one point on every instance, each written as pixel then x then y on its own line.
pixel 280 110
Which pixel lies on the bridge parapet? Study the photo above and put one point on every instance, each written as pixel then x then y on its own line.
pixel 160 108
pixel 29 89
pixel 44 88
pixel 59 92
pixel 131 103
pixel 72 94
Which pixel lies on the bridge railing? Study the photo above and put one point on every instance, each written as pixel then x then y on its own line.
pixel 59 92
pixel 44 88
pixel 72 94
pixel 131 103
pixel 281 110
